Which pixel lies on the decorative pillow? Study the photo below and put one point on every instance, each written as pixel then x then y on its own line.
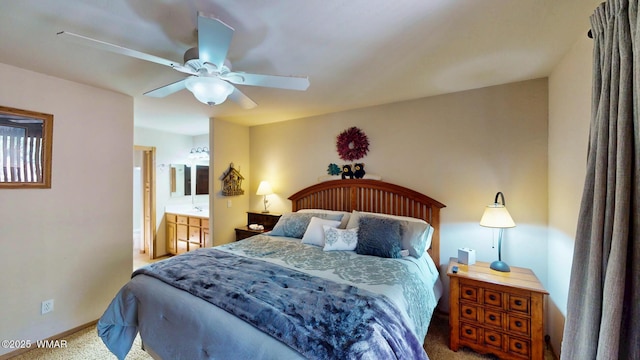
pixel 315 232
pixel 295 224
pixel 416 233
pixel 379 236
pixel 340 239
pixel 345 215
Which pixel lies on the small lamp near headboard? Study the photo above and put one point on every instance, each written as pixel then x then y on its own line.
pixel 496 215
pixel 264 189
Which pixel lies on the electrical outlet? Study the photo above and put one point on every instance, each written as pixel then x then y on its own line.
pixel 47 306
pixel 228 203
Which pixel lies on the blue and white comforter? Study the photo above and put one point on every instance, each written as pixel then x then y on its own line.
pixel 322 304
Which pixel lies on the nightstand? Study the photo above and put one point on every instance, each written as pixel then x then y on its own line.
pixel 268 220
pixel 496 312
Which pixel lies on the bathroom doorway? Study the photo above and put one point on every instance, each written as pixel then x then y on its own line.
pixel 144 194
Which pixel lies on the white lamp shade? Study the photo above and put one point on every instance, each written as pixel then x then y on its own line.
pixel 264 188
pixel 496 216
pixel 209 90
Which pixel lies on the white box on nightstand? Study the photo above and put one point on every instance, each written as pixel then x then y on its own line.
pixel 466 256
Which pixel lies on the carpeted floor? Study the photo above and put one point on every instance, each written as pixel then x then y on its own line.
pixel 86 345
pixel 437 344
pixel 83 345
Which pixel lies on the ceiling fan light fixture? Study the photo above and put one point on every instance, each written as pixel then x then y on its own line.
pixel 209 90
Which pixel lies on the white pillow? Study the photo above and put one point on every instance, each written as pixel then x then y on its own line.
pixel 315 232
pixel 416 233
pixel 340 239
pixel 345 215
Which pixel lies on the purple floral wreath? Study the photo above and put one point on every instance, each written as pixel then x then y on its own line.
pixel 352 144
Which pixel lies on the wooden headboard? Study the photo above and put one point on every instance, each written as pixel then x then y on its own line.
pixel 372 196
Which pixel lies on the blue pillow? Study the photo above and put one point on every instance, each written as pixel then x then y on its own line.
pixel 295 224
pixel 379 237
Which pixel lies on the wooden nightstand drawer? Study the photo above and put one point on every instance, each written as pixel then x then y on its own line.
pixel 519 304
pixel 469 312
pixel 493 298
pixel 267 220
pixel 493 339
pixel 493 318
pixel 469 332
pixel 469 293
pixel 182 219
pixel 519 347
pixel 519 325
pixel 194 221
pixel 245 232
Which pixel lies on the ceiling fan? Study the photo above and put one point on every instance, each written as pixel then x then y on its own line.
pixel 211 77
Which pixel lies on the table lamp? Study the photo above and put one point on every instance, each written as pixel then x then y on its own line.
pixel 497 216
pixel 264 189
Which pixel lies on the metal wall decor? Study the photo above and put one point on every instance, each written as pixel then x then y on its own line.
pixel 232 182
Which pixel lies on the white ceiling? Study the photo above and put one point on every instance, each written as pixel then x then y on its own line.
pixel 356 53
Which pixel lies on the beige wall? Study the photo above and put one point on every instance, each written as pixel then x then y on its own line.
pixel 230 143
pixel 569 118
pixel 71 243
pixel 458 148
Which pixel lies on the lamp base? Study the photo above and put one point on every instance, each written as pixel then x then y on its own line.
pixel 500 266
pixel 265 211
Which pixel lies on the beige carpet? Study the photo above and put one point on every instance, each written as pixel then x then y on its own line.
pixel 437 344
pixel 86 345
pixel 83 345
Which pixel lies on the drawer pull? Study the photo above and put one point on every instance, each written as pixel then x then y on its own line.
pixel 519 323
pixel 468 331
pixel 468 311
pixel 492 338
pixel 492 297
pixel 519 346
pixel 468 292
pixel 492 317
pixel 518 302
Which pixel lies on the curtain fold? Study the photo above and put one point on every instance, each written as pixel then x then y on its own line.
pixel 603 309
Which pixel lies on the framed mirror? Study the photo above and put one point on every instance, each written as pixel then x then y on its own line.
pixel 181 180
pixel 26 139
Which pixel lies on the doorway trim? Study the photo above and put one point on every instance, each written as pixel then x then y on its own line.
pixel 148 175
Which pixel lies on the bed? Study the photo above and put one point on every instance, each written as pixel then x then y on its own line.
pixel 303 290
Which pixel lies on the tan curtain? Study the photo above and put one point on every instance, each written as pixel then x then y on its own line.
pixel 603 310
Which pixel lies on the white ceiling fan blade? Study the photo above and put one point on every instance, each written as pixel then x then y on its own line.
pixel 167 89
pixel 102 45
pixel 273 81
pixel 243 100
pixel 214 39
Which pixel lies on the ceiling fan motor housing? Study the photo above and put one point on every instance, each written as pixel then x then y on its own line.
pixel 191 54
pixel 192 60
